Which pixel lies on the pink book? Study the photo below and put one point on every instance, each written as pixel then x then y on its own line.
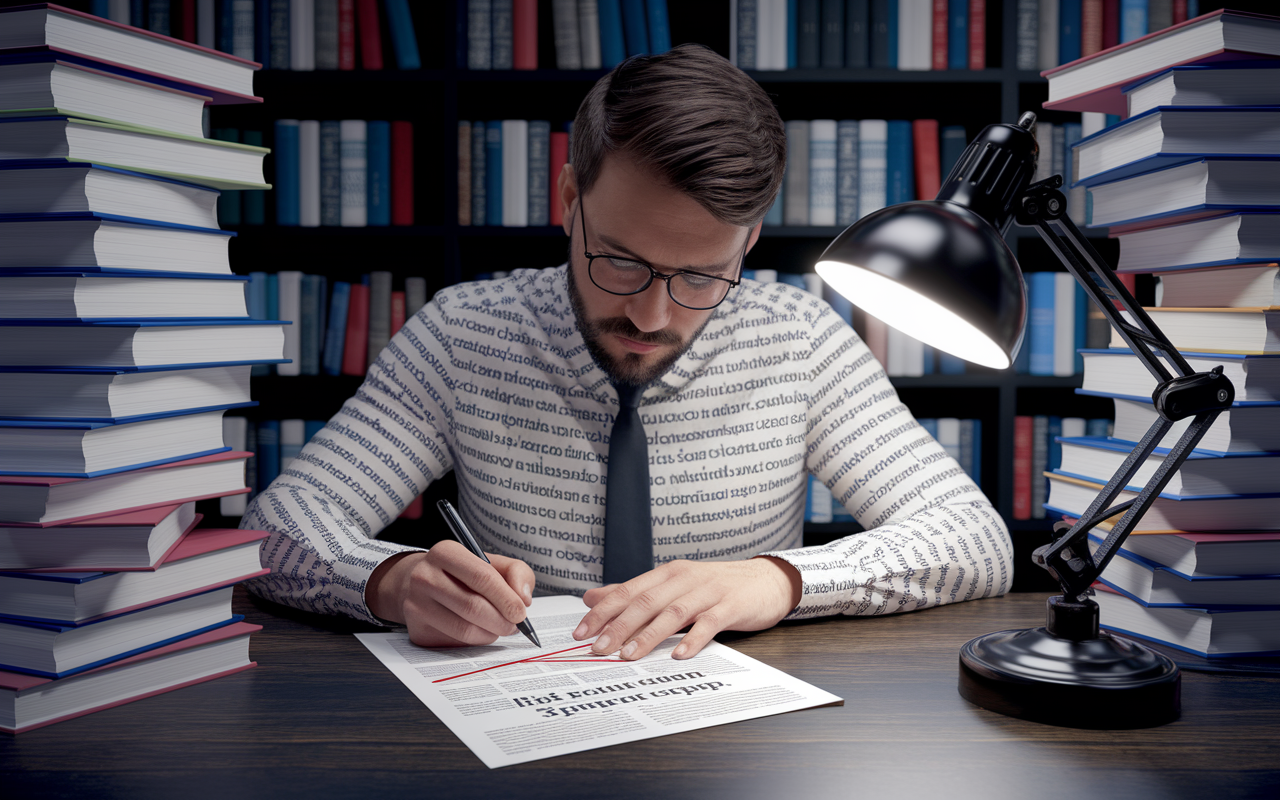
pixel 14 685
pixel 109 521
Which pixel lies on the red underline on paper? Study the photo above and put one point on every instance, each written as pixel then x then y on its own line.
pixel 545 657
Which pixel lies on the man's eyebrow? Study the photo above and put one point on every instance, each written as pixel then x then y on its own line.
pixel 621 249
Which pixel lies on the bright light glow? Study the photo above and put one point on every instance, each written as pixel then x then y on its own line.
pixel 912 313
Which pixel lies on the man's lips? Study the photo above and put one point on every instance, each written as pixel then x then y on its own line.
pixel 636 347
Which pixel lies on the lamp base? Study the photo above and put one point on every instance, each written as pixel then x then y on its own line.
pixel 1066 674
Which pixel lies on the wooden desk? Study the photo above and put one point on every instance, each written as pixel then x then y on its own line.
pixel 320 717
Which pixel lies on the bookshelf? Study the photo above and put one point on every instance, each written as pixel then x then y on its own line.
pixel 436 97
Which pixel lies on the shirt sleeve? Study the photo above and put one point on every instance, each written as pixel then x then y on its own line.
pixel 931 536
pixel 354 477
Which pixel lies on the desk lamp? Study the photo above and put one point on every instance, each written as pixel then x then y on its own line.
pixel 940 271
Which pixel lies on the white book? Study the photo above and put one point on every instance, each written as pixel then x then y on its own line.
pixel 813 283
pixel 1182 86
pixel 309 173
pixel 774 28
pixel 1210 633
pixel 589 33
pixel 81 449
pixel 1048 34
pixel 899 354
pixel 80 188
pixel 290 310
pixel 912 356
pixel 873 165
pixel 1240 238
pixel 235 433
pixel 108 297
pixel 1064 324
pixel 1074 426
pixel 302 35
pixel 354 164
pixel 766 276
pixel 293 436
pixel 1256 378
pixel 795 188
pixel 949 436
pixel 915 35
pixel 1091 122
pixel 1044 162
pixel 818 502
pixel 515 173
pixel 1177 194
pixel 205 23
pixel 415 296
pixel 80 243
pixel 1239 287
pixel 104 396
pixel 822 172
pixel 1239 429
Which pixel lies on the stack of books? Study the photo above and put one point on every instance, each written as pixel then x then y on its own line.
pixel 123 339
pixel 1053 32
pixel 1187 185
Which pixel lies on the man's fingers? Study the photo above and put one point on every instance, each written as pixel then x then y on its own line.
pixel 483 579
pixel 702 632
pixel 695 606
pixel 518 575
pixel 433 625
pixel 620 597
pixel 668 604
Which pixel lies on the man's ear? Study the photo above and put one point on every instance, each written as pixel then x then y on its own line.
pixel 567 197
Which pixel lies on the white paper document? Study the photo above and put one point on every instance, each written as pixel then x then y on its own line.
pixel 568 700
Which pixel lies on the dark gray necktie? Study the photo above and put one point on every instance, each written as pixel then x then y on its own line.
pixel 628 537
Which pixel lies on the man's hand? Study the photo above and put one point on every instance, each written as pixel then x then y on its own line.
pixel 634 617
pixel 448 597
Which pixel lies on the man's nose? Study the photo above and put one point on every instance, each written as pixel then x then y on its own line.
pixel 650 310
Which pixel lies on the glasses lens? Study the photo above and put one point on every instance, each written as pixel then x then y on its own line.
pixel 698 291
pixel 618 275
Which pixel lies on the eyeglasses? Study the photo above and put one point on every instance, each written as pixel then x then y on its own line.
pixel 624 276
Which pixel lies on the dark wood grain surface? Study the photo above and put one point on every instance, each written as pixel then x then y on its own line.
pixel 320 717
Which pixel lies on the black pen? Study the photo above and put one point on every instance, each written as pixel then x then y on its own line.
pixel 463 534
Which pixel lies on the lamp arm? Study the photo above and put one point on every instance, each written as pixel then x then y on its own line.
pixel 1201 395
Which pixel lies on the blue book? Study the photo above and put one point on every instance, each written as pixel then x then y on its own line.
pixel 336 335
pixel 158 16
pixel 479 175
pixel 1133 20
pixel 273 296
pixel 493 172
pixel 893 34
pixel 1081 329
pixel 138 13
pixel 1055 446
pixel 971 448
pixel 793 33
pixel 846 172
pixel 403 39
pixel 279 33
pixel 774 214
pixel 1040 325
pixel 929 424
pixel 503 34
pixel 226 28
pixel 882 17
pixel 901 175
pixel 958 34
pixel 311 328
pixel 378 176
pixel 331 173
pixel 857 33
pixel 261 31
pixel 479 34
pixel 927 360
pixel 287 172
pixel 256 295
pixel 747 27
pixel 809 37
pixel 832 34
pixel 539 172
pixel 268 452
pixel 253 203
pixel 1193 9
pixel 1068 30
pixel 100 8
pixel 1097 427
pixel 953 143
pixel 949 364
pixel 635 27
pixel 613 48
pixel 312 427
pixel 659 26
pixel 793 279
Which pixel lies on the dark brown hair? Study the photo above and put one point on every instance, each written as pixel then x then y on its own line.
pixel 693 118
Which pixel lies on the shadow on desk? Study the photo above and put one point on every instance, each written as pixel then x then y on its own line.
pixel 321 718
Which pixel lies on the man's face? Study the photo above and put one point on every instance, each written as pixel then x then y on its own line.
pixel 636 338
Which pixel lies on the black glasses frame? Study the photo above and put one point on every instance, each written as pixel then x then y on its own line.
pixel 653 273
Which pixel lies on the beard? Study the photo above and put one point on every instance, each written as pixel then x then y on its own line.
pixel 633 369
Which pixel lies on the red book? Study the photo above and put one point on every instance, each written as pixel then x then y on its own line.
pixel 928 166
pixel 559 157
pixel 402 173
pixel 370 34
pixel 346 34
pixel 1022 434
pixel 413 510
pixel 397 312
pixel 977 34
pixel 939 59
pixel 1091 27
pixel 355 350
pixel 1179 11
pixel 186 20
pixel 524 23
pixel 1110 23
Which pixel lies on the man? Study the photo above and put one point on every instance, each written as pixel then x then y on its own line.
pixel 742 389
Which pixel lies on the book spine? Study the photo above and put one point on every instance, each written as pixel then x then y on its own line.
pixel 1040 286
pixel 873 165
pixel 745 32
pixel 589 33
pixel 289 288
pixel 346 35
pixel 302 35
pixel 539 170
pixel 242 34
pixel 1080 327
pixel 378 179
pixel 402 206
pixel 659 26
pixel 309 173
pixel 635 27
pixel 1054 448
pixel 310 325
pixel 206 23
pixel 524 31
pixel 942 36
pixel 503 27
pixel 355 349
pixel 928 165
pixel 354 163
pixel 464 173
pixel 901 175
pixel 1159 15
pixel 1179 11
pixel 894 36
pixel 1110 23
pixel 822 172
pixel 515 173
pixel 397 312
pixel 809 34
pixel 953 144
pixel 404 40
pixel 833 34
pixel 493 172
pixel 330 173
pixel 1039 462
pixel 1097 327
pixel 479 34
pixel 159 16
pixel 479 175
pixel 847 172
pixel 1064 324
pixel 287 167
pixel 268 453
pixel 564 19
pixel 370 34
pixel 261 33
pixel 326 34
pixel 415 295
pixel 1026 52
pixel 857 42
pixel 379 313
pixel 280 29
pixel 335 336
pixel 1090 27
pixel 796 184
pixel 559 156
pixel 879 37
pixel 1133 20
pixel 1069 40
pixel 1022 436
pixel 977 34
pixel 1047 43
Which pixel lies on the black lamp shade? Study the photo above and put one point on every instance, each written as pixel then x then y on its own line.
pixel 936 271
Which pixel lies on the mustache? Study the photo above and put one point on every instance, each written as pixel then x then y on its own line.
pixel 624 327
